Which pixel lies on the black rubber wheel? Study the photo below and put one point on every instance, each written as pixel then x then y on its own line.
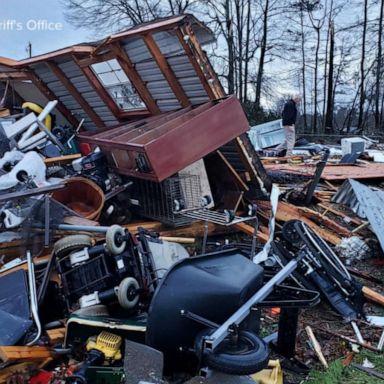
pixel 247 356
pixel 290 233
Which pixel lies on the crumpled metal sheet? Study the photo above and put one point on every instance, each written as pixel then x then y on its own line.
pixel 366 203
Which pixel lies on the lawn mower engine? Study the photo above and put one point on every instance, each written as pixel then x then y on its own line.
pixel 124 270
pixel 95 168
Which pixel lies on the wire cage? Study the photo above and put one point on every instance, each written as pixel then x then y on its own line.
pixel 157 200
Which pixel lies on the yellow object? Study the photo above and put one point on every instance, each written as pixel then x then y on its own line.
pixel 36 108
pixel 272 375
pixel 108 343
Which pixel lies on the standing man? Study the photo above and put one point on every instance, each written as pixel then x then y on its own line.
pixel 289 116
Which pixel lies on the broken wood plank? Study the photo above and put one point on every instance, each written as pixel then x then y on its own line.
pixel 249 230
pixel 325 221
pixel 373 296
pixel 233 172
pixel 330 185
pixel 20 353
pixel 346 338
pixel 197 67
pixel 56 336
pixel 336 212
pixel 333 172
pixel 316 346
pixel 287 212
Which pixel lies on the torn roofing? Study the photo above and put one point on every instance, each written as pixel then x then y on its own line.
pixel 149 69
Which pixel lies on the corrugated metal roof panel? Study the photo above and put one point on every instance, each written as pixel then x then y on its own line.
pixel 168 43
pixel 136 49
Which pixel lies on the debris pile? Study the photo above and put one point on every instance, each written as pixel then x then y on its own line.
pixel 147 233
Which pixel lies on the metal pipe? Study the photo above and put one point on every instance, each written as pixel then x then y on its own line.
pixel 33 297
pixel 212 341
pixel 82 228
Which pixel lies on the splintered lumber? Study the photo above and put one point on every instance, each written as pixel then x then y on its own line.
pixel 372 295
pixel 18 353
pixel 286 211
pixel 322 220
pixel 336 212
pixel 249 230
pixel 316 346
pixel 333 172
pixel 346 338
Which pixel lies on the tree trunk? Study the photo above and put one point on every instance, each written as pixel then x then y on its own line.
pixel 362 68
pixel 247 42
pixel 378 69
pixel 330 98
pixel 314 126
pixel 303 70
pixel 263 49
pixel 230 43
pixel 239 9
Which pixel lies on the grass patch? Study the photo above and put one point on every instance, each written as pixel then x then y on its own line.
pixel 337 374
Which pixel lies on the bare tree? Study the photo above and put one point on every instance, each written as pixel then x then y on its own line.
pixel 362 67
pixel 330 86
pixel 378 68
pixel 110 15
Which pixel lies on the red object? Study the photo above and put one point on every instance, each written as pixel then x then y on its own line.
pixel 157 147
pixel 42 377
pixel 85 149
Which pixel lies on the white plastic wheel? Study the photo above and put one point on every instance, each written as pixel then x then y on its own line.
pixel 72 243
pixel 113 245
pixel 126 294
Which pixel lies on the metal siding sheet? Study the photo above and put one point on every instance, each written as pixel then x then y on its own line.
pixel 168 43
pixel 136 49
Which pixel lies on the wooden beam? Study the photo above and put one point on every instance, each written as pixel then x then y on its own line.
pixel 43 88
pixel 98 87
pixel 166 70
pixel 204 61
pixel 241 182
pixel 57 71
pixel 35 353
pixel 249 230
pixel 196 65
pixel 287 212
pixel 374 296
pixel 13 76
pixel 86 62
pixel 135 78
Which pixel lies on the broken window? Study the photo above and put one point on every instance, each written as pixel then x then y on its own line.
pixel 116 82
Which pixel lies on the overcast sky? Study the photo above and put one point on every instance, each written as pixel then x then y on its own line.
pixel 22 21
